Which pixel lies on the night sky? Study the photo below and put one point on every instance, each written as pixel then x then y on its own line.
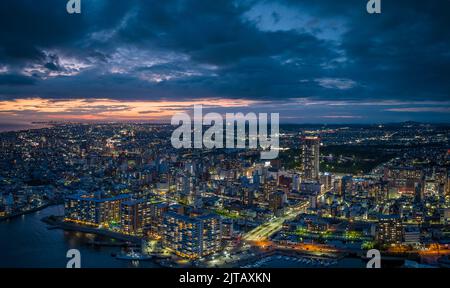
pixel 311 61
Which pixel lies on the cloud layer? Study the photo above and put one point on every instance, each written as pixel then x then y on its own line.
pixel 282 52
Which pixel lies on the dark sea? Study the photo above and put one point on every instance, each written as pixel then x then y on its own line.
pixel 25 242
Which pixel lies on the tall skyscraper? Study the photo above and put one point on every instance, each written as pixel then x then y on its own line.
pixel 310 157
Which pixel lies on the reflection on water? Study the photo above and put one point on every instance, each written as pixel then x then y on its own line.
pixel 26 242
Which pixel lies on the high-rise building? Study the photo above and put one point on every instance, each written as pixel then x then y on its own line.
pixel 296 180
pixel 192 237
pixel 390 229
pixel 247 195
pixel 311 188
pixel 346 186
pixel 135 216
pixel 156 227
pixel 418 192
pixel 184 188
pixel 310 157
pixel 227 228
pixel 277 202
pixel 411 234
pixel 93 210
pixel 326 180
pixel 198 202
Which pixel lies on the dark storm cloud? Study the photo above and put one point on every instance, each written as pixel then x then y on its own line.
pixel 15 80
pixel 406 50
pixel 269 50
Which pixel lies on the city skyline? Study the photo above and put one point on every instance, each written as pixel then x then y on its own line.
pixel 310 62
pixel 326 201
pixel 224 134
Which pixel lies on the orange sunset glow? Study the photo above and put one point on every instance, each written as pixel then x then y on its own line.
pixel 107 109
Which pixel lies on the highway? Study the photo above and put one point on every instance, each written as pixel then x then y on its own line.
pixel 264 231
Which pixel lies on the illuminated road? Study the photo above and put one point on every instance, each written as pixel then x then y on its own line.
pixel 434 252
pixel 310 248
pixel 267 229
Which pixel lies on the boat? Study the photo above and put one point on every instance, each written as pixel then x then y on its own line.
pixel 132 255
